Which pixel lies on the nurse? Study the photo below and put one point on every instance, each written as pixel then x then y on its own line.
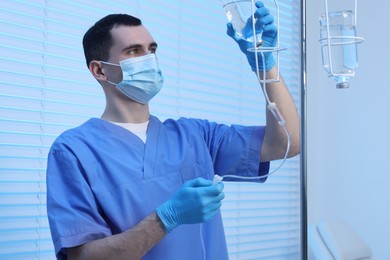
pixel 128 186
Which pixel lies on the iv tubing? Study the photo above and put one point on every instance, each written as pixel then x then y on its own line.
pixel 270 105
pixel 201 241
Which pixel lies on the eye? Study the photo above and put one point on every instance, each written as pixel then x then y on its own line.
pixel 135 51
pixel 153 49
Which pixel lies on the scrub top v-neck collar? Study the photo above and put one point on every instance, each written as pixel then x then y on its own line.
pixel 150 153
pixel 148 149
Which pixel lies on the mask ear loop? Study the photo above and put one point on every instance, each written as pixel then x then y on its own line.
pixel 112 83
pixel 113 64
pixel 109 63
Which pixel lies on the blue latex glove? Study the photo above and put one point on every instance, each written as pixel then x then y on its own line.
pixel 197 201
pixel 265 23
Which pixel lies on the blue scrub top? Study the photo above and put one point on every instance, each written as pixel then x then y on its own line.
pixel 102 180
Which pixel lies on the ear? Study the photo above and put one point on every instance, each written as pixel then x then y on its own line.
pixel 96 69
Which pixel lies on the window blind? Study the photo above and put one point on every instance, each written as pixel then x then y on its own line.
pixel 45 89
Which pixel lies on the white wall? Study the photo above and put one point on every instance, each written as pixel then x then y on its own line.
pixel 348 130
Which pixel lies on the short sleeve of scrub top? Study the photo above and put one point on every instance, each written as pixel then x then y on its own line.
pixel 235 149
pixel 80 215
pixel 100 177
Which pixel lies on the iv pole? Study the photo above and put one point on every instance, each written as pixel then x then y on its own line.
pixel 303 139
pixel 303 125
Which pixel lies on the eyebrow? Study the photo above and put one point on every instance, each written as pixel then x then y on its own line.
pixel 134 46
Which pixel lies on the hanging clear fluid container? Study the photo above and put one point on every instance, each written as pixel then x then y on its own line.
pixel 339 45
pixel 241 14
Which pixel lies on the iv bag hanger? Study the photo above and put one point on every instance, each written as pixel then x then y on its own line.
pixel 338 44
pixel 261 49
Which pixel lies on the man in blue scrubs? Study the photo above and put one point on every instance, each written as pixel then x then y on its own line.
pixel 128 186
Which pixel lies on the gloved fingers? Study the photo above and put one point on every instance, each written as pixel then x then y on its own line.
pixel 261 12
pixel 198 182
pixel 231 32
pixel 213 190
pixel 210 215
pixel 270 30
pixel 215 197
pixel 218 198
pixel 220 186
pixel 213 203
pixel 259 4
pixel 265 20
pixel 212 207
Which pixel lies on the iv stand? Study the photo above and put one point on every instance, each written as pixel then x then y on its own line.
pixel 303 139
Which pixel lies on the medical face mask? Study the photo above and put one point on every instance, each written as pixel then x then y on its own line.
pixel 142 78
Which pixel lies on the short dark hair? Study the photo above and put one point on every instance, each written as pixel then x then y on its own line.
pixel 97 41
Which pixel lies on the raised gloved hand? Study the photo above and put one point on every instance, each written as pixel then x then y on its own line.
pixel 264 22
pixel 197 201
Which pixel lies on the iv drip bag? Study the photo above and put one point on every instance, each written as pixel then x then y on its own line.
pixel 339 45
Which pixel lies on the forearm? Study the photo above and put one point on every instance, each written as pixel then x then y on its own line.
pixel 131 244
pixel 275 136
